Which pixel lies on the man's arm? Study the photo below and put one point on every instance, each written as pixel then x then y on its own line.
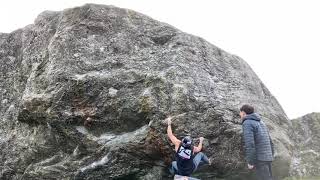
pixel 173 138
pixel 250 149
pixel 199 147
pixel 272 146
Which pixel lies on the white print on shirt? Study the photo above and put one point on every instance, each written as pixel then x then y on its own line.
pixel 184 153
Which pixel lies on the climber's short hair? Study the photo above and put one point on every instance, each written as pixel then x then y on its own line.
pixel 247 109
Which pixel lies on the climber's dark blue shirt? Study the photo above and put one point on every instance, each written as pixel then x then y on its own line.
pixel 184 157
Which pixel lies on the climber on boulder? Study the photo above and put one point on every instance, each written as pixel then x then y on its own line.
pixel 188 157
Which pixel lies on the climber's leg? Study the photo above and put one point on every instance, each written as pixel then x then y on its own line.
pixel 200 159
pixel 174 168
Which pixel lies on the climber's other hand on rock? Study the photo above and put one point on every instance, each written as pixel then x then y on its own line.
pixel 169 120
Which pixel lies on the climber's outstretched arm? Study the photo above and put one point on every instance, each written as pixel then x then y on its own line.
pixel 172 137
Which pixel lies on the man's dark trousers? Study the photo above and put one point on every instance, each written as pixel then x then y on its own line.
pixel 263 170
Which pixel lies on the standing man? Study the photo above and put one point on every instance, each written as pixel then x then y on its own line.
pixel 258 144
pixel 188 157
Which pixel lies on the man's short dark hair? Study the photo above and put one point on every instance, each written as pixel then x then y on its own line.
pixel 247 109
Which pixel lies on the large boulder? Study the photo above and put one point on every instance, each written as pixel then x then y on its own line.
pixel 306 159
pixel 84 93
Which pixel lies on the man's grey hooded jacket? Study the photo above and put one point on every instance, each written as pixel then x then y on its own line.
pixel 257 141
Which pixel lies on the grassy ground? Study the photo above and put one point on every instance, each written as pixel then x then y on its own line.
pixel 303 178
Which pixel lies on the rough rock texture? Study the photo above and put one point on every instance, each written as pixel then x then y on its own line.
pixel 306 161
pixel 126 72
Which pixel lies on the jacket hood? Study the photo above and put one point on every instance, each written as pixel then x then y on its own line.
pixel 252 116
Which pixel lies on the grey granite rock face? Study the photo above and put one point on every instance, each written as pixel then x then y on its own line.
pixel 125 72
pixel 306 161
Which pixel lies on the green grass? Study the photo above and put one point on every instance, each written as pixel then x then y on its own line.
pixel 302 178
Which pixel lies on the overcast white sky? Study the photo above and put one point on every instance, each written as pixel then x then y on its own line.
pixel 280 39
